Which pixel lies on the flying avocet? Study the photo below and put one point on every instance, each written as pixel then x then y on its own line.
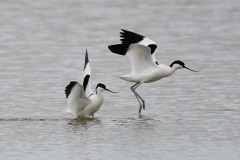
pixel 145 68
pixel 82 103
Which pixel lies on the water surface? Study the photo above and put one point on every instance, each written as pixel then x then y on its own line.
pixel 191 116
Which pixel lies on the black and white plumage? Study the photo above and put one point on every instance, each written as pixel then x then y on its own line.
pixel 128 38
pixel 87 75
pixel 145 68
pixel 82 102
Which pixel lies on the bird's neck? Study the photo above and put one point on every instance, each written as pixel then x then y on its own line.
pixel 172 70
pixel 100 95
pixel 100 99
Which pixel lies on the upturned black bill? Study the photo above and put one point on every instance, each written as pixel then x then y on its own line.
pixel 191 69
pixel 110 91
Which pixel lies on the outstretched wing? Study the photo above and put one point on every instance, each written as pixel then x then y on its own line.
pixel 140 57
pixel 77 100
pixel 86 76
pixel 128 38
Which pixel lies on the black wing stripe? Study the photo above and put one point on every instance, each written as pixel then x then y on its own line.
pixel 85 81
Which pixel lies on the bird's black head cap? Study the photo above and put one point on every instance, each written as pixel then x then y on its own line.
pixel 101 85
pixel 177 62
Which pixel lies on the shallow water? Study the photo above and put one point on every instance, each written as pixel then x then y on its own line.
pixel 189 115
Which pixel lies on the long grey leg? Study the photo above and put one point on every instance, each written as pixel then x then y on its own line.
pixel 143 102
pixel 141 105
pixel 133 89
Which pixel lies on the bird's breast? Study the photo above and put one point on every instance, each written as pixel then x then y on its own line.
pixel 96 102
pixel 153 75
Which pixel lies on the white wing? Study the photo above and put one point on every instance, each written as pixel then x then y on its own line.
pixel 86 76
pixel 150 43
pixel 128 38
pixel 77 100
pixel 140 57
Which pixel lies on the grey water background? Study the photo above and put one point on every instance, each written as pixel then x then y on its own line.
pixel 189 115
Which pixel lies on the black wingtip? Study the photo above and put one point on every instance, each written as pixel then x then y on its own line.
pixel 122 32
pixel 127 38
pixel 69 87
pixel 120 49
pixel 86 59
pixel 129 32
